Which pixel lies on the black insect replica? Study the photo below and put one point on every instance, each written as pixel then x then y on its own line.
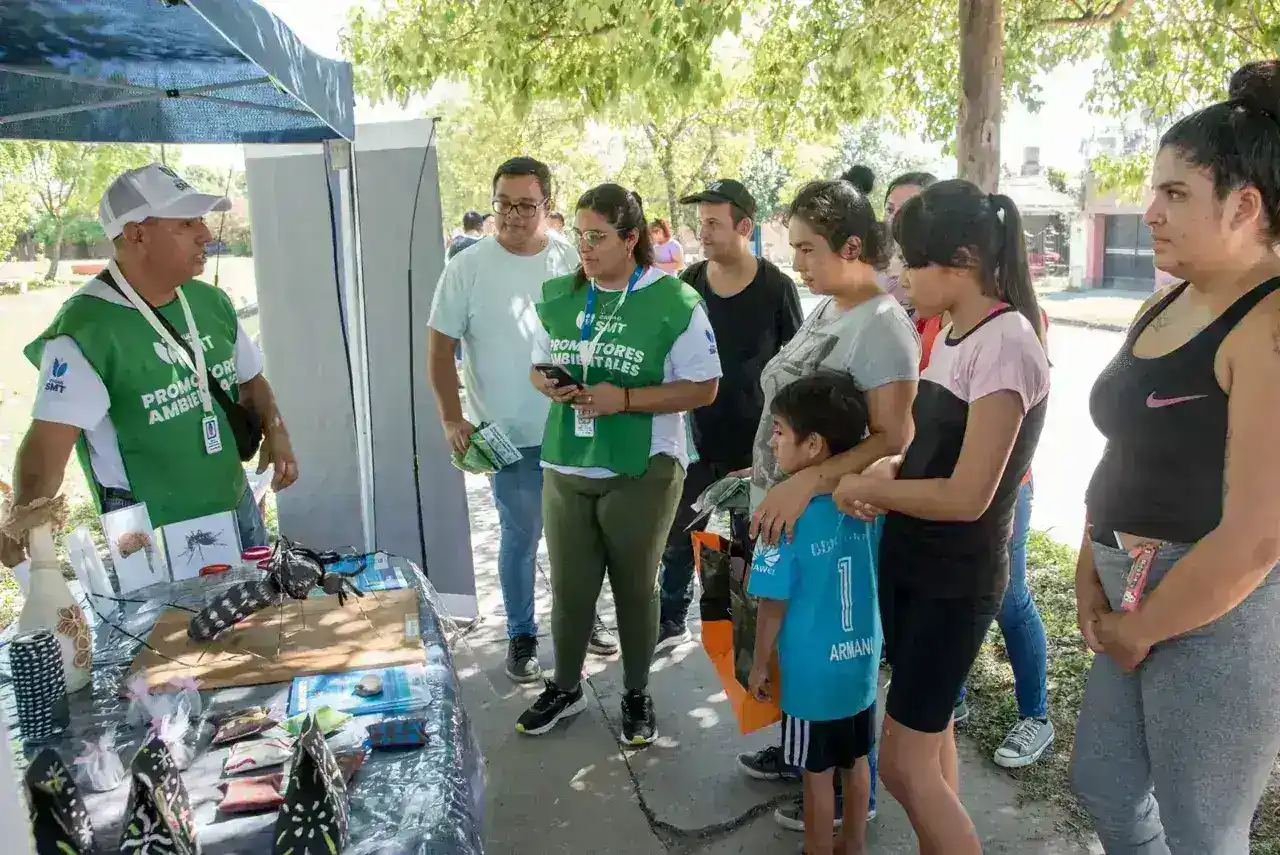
pixel 292 570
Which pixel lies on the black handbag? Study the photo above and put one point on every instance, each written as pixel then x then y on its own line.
pixel 246 425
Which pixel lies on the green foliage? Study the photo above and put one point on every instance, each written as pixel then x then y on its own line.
pixel 1125 176
pixel 15 197
pixel 1165 58
pixel 866 143
pixel 765 174
pixel 584 51
pixel 476 136
pixel 224 182
pixel 77 227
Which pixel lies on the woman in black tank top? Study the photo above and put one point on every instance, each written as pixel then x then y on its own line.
pixel 1180 724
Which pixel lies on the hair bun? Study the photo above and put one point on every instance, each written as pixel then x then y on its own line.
pixel 861 177
pixel 1258 85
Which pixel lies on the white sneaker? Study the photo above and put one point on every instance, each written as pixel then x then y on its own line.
pixel 1026 741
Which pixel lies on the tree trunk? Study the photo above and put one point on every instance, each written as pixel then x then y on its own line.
pixel 981 85
pixel 55 252
pixel 673 195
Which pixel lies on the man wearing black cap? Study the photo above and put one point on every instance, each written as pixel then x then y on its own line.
pixel 754 310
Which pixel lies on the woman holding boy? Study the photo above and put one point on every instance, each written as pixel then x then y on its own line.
pixel 857 330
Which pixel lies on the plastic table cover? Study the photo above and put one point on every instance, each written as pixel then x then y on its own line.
pixel 421 802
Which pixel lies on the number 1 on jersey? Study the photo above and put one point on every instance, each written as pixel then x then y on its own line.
pixel 845 568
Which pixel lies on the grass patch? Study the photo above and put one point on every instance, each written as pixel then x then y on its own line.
pixel 81 512
pixel 1051 570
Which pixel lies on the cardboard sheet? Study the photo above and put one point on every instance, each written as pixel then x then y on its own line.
pixel 313 636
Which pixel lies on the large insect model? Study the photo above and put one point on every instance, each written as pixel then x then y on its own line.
pixel 292 571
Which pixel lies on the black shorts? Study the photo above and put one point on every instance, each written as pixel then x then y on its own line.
pixel 817 746
pixel 931 643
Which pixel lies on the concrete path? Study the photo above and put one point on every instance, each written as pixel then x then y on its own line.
pixel 1103 308
pixel 576 790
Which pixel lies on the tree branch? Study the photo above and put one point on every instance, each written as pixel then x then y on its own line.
pixel 1094 19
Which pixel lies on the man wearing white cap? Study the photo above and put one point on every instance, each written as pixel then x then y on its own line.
pixel 148 375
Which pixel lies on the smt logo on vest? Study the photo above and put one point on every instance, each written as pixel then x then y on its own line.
pixel 56 373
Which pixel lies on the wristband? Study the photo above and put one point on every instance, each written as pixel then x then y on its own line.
pixel 626 400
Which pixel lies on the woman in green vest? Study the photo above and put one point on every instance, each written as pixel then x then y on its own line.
pixel 640 351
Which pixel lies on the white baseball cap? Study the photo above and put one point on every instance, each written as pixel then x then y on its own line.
pixel 153 190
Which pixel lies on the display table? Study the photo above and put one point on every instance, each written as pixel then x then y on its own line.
pixel 420 802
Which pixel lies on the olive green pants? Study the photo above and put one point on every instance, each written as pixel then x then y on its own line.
pixel 616 526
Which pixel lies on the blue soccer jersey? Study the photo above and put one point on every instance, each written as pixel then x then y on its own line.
pixel 829 646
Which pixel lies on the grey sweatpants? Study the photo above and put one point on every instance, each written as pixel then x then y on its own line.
pixel 1172 758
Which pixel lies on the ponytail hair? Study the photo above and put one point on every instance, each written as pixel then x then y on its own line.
pixel 624 210
pixel 1013 275
pixel 954 224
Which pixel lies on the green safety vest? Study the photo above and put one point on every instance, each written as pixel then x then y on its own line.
pixel 155 402
pixel 631 353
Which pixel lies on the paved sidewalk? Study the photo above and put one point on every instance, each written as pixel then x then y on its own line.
pixel 576 791
pixel 1101 308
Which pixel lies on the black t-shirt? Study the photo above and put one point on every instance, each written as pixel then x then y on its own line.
pixel 458 244
pixel 750 327
pixel 945 558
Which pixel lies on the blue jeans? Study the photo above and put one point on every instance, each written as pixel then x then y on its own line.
pixel 517 492
pixel 253 529
pixel 1020 622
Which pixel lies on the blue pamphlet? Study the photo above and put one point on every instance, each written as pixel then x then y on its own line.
pixel 403 688
pixel 377 574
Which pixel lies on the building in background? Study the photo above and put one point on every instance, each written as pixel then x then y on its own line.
pixel 1048 214
pixel 1115 243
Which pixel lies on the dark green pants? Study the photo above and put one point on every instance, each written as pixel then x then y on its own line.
pixel 617 526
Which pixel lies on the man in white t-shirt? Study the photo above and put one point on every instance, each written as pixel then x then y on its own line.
pixel 485 300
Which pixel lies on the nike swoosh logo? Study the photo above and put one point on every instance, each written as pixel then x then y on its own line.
pixel 1154 403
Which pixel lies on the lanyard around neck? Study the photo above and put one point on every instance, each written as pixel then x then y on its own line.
pixel 198 367
pixel 588 317
pixel 587 350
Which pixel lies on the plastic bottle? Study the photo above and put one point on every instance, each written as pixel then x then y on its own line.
pixel 50 605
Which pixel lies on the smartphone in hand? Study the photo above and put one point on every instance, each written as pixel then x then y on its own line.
pixel 558 375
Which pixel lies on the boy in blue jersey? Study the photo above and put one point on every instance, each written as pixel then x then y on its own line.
pixel 818 606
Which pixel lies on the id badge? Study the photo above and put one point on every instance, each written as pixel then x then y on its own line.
pixel 584 427
pixel 212 434
pixel 1136 582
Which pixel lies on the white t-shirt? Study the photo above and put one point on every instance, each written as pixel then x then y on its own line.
pixel 486 299
pixel 693 357
pixel 80 398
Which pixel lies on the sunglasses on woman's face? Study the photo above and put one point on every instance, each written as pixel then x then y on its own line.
pixel 592 237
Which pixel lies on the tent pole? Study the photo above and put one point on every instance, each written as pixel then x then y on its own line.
pixel 340 154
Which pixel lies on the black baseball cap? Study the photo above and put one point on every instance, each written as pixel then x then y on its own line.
pixel 725 190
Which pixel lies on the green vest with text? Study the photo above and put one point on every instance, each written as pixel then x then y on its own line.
pixel 155 402
pixel 631 353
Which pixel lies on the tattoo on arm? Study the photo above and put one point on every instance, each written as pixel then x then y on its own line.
pixel 1275 338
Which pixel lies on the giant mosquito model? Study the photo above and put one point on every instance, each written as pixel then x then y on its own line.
pixel 292 571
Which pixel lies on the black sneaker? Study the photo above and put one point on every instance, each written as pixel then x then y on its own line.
pixel 639 725
pixel 672 633
pixel 767 765
pixel 602 641
pixel 551 706
pixel 522 659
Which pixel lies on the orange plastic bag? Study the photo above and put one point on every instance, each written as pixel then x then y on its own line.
pixel 713 558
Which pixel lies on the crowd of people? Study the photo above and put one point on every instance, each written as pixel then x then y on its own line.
pixel 887 439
